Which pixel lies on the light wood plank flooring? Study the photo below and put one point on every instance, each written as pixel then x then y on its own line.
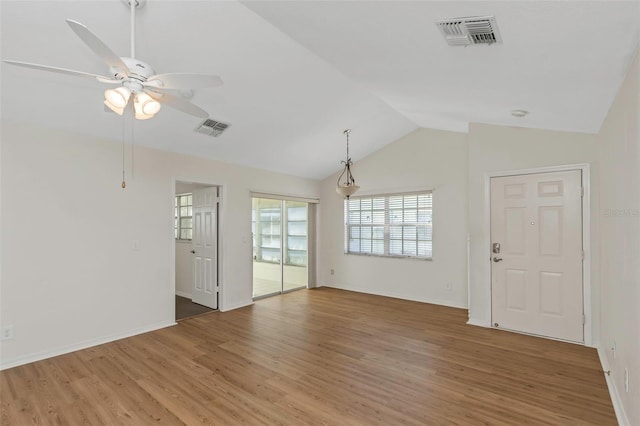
pixel 321 356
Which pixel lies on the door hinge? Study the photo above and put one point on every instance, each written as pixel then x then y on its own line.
pixel 582 254
pixel 584 319
pixel 582 191
pixel 217 288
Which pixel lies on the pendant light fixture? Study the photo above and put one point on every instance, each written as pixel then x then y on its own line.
pixel 348 186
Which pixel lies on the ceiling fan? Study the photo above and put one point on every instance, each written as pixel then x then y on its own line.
pixel 135 80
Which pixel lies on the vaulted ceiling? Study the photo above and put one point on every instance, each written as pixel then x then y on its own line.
pixel 297 73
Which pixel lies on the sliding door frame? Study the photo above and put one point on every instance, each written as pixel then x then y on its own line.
pixel 311 238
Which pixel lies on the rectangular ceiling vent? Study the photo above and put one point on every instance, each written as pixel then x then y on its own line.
pixel 471 30
pixel 212 128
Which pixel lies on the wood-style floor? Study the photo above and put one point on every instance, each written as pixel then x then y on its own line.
pixel 320 356
pixel 185 308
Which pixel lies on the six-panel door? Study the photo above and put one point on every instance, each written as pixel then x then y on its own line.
pixel 537 274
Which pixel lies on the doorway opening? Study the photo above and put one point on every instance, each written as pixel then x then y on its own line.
pixel 280 246
pixel 196 232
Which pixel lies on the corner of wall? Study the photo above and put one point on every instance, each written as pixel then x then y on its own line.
pixel 618 407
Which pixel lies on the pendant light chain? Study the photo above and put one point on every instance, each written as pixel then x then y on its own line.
pixel 347 133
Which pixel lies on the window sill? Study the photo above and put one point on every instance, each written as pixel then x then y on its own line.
pixel 388 256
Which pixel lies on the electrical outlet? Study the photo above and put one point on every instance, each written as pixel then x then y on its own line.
pixel 626 379
pixel 333 272
pixel 449 286
pixel 6 332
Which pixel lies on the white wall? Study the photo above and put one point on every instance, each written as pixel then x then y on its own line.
pixel 619 148
pixel 424 159
pixel 70 276
pixel 186 187
pixel 499 149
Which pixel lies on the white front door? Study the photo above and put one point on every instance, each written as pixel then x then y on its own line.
pixel 204 247
pixel 536 236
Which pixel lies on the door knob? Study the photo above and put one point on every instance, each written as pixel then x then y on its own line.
pixel 497 259
pixel 193 252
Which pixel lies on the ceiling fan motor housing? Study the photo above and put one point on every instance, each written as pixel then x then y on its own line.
pixel 138 71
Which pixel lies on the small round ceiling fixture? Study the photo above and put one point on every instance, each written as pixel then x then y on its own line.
pixel 519 113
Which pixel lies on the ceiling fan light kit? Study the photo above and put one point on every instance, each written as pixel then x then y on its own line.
pixel 147 104
pixel 137 82
pixel 117 99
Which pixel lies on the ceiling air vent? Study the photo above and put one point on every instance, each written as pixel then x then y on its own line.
pixel 212 128
pixel 471 30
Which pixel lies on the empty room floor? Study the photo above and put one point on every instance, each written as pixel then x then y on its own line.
pixel 321 356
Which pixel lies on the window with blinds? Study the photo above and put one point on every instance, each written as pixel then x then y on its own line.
pixel 396 225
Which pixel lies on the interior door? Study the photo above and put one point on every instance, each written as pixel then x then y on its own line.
pixel 536 235
pixel 204 247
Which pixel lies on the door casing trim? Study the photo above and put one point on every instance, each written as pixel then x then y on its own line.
pixel 172 247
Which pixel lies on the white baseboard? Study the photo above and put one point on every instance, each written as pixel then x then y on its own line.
pixel 400 296
pixel 38 356
pixel 621 415
pixel 183 294
pixel 479 322
pixel 233 306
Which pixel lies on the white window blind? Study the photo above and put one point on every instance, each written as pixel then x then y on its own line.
pixel 397 225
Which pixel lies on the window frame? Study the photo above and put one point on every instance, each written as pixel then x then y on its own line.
pixel 387 224
pixel 177 224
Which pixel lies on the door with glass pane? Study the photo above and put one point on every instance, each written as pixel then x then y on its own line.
pixel 280 246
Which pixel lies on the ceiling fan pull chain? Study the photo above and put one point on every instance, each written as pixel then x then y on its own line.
pixel 124 184
pixel 132 142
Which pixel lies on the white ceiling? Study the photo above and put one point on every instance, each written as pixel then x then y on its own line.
pixel 297 73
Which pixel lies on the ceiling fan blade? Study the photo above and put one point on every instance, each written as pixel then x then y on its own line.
pixel 183 81
pixel 178 103
pixel 98 47
pixel 100 78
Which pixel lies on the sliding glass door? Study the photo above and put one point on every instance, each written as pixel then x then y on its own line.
pixel 294 268
pixel 280 246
